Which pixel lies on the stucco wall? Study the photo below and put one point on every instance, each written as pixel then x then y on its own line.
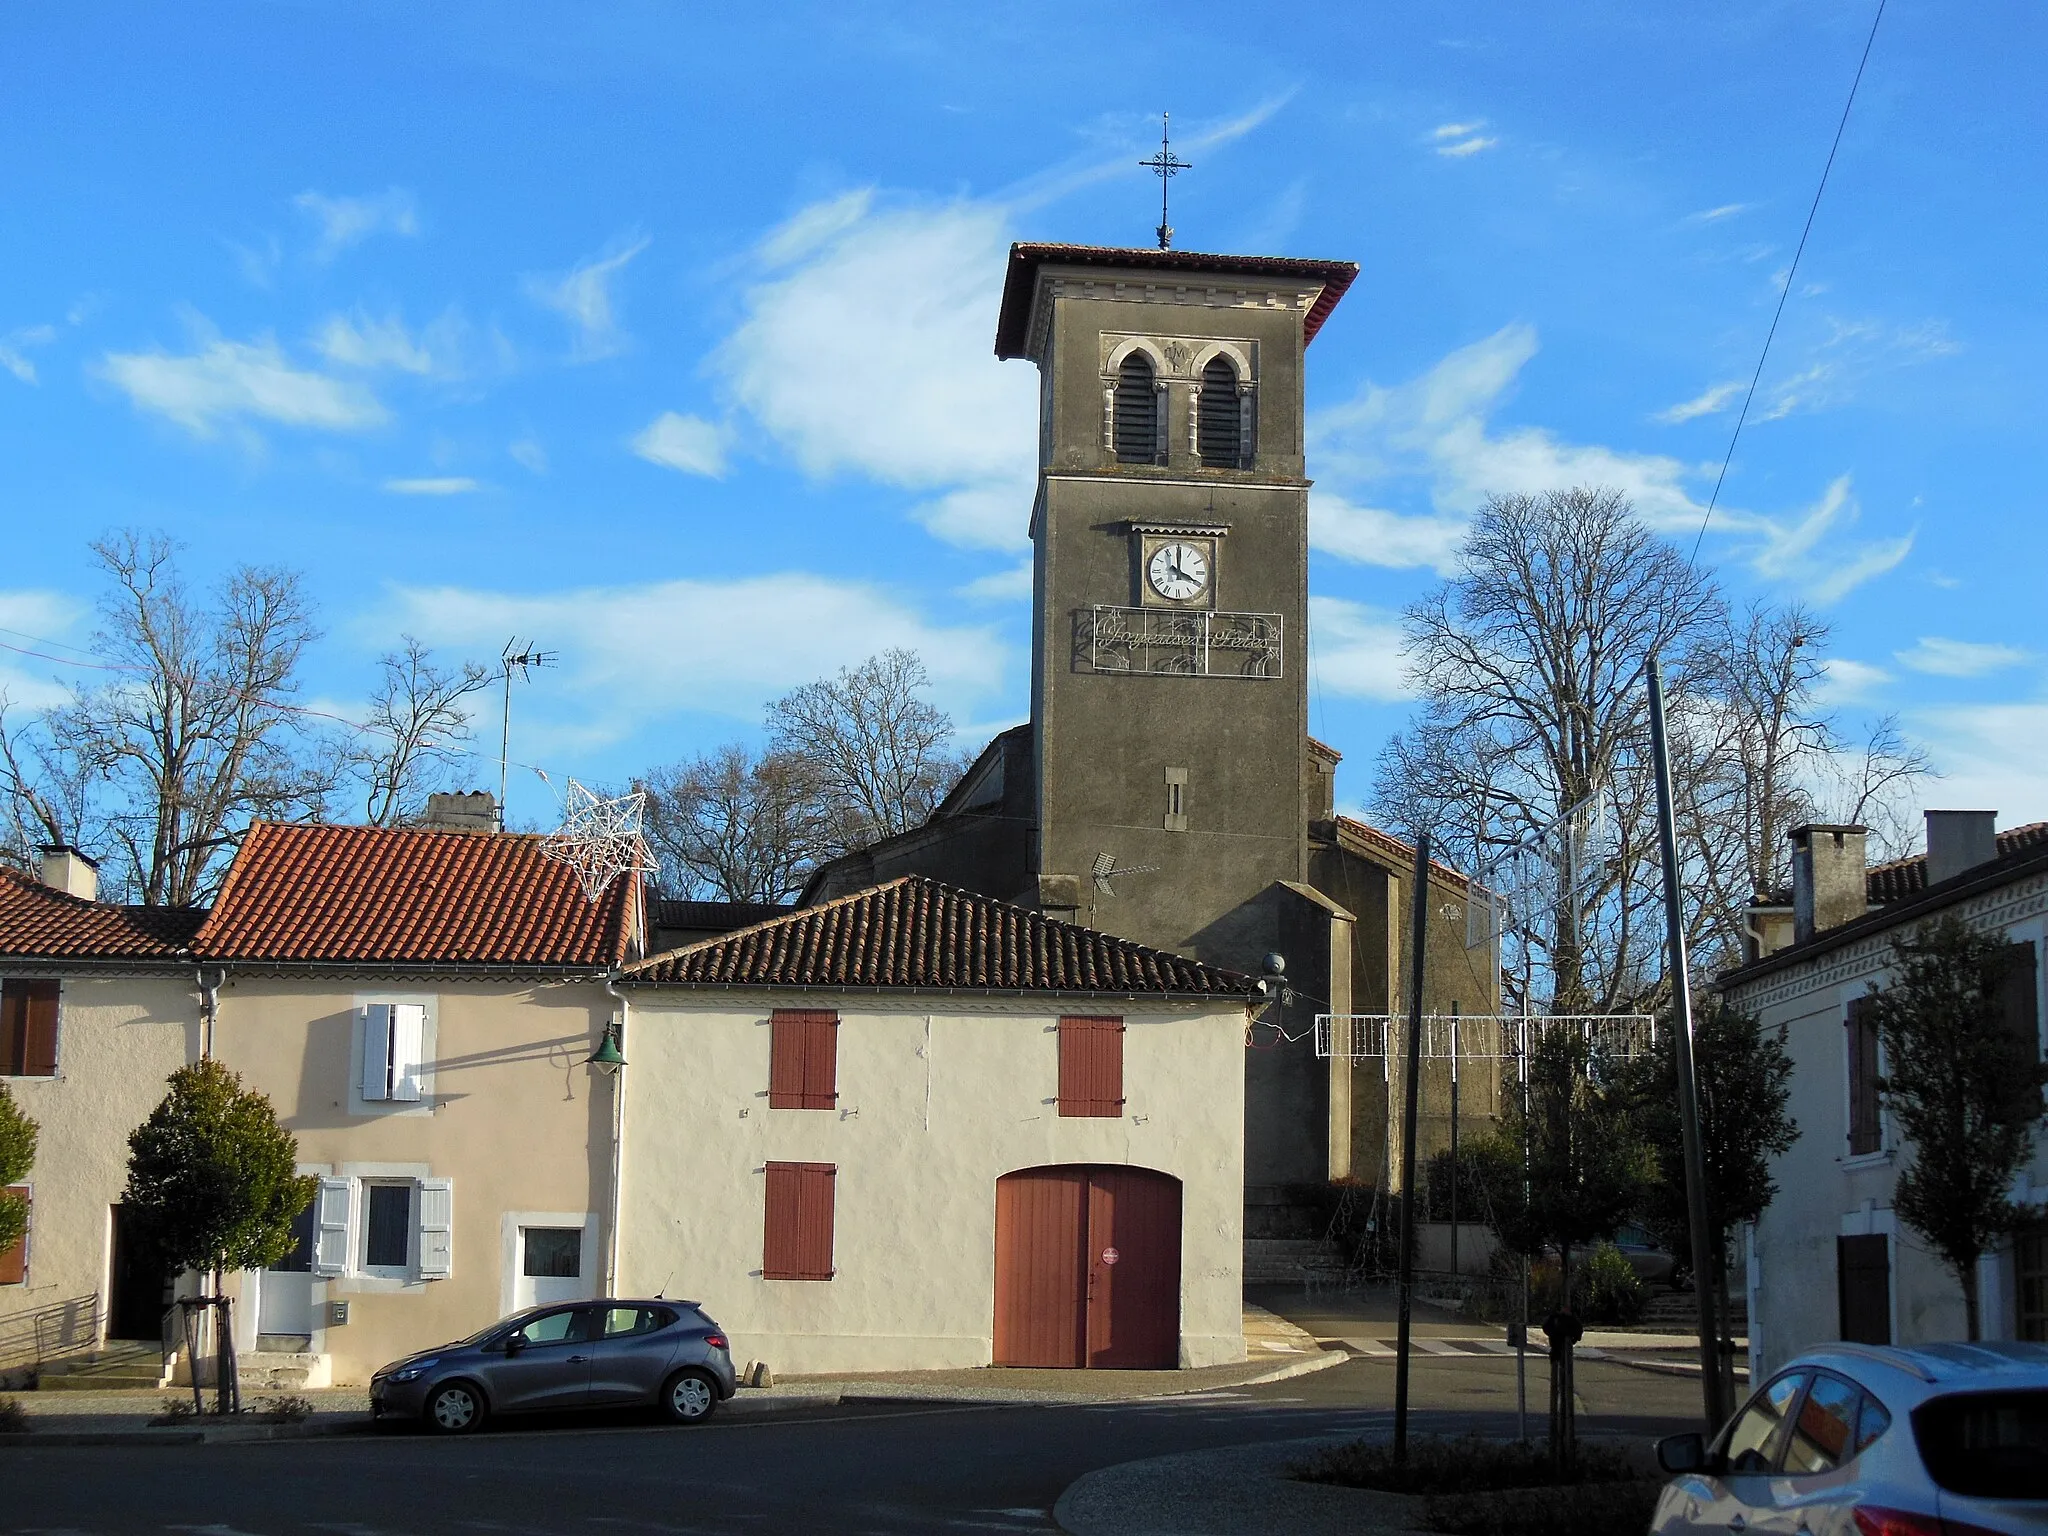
pixel 117 1042
pixel 510 1114
pixel 1824 1193
pixel 937 1100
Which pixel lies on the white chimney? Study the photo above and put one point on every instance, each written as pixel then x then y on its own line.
pixel 1959 840
pixel 1829 880
pixel 66 869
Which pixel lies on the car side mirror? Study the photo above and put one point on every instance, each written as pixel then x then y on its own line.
pixel 1682 1453
pixel 515 1342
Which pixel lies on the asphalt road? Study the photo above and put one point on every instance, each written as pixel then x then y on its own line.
pixel 875 1468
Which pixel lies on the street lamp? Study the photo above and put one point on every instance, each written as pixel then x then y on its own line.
pixel 607 1058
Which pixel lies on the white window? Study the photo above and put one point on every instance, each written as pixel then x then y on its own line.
pixel 384 1227
pixel 394 1045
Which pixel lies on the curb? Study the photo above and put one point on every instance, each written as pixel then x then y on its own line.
pixel 1322 1360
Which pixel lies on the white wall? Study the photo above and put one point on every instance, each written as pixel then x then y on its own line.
pixel 937 1099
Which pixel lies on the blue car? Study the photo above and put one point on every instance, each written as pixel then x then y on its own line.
pixel 586 1354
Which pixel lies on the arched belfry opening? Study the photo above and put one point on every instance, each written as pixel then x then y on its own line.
pixel 1219 426
pixel 1137 411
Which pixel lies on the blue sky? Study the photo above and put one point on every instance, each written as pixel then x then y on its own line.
pixel 661 335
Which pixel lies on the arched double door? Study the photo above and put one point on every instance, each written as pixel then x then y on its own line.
pixel 1088 1267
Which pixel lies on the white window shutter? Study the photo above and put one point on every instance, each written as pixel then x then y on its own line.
pixel 437 1228
pixel 330 1237
pixel 408 1044
pixel 376 1051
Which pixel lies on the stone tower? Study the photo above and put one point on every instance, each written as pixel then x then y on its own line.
pixel 1170 592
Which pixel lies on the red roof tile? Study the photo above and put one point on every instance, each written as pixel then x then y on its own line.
pixel 319 894
pixel 915 933
pixel 39 923
pixel 1398 851
pixel 1901 879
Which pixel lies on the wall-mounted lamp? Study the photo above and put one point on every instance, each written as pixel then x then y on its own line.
pixel 607 1058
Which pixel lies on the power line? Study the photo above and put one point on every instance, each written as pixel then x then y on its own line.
pixel 1790 272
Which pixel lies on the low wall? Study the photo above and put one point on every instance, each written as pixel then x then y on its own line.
pixel 1475 1246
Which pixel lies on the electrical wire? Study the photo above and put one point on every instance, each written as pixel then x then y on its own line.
pixel 1786 292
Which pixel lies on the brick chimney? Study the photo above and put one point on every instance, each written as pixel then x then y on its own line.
pixel 1829 882
pixel 66 869
pixel 1959 840
pixel 475 811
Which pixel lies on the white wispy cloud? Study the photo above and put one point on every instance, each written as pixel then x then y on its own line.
pixel 687 443
pixel 1959 658
pixel 1455 130
pixel 529 455
pixel 1005 586
pixel 1989 756
pixel 1465 147
pixel 723 650
pixel 867 352
pixel 224 381
pixel 1371 536
pixel 1716 215
pixel 432 485
pixel 1844 681
pixel 1710 401
pixel 583 296
pixel 1356 650
pixel 347 221
pixel 13 356
pixel 1795 552
pixel 374 343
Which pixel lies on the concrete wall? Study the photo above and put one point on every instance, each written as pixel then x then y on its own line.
pixel 118 1040
pixel 938 1098
pixel 1824 1193
pixel 509 1113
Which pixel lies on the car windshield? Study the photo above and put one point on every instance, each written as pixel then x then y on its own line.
pixel 1986 1445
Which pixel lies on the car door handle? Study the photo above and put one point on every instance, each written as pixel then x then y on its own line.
pixel 579 1359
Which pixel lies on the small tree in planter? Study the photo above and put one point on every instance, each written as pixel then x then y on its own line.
pixel 1964 1084
pixel 212 1186
pixel 17 1156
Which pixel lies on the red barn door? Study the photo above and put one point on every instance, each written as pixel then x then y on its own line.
pixel 1088 1267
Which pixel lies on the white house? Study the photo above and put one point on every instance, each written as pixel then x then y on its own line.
pixel 917 1128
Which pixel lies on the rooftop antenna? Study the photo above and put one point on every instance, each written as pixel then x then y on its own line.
pixel 1164 165
pixel 1105 869
pixel 518 653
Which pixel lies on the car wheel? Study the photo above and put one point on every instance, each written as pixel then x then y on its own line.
pixel 690 1397
pixel 455 1409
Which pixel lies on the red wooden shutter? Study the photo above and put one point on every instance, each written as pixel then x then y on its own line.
pixel 14 1260
pixel 1866 1129
pixel 803 1059
pixel 1091 1066
pixel 797 1238
pixel 28 1029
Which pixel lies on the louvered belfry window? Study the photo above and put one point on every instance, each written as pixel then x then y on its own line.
pixel 1137 412
pixel 797 1240
pixel 1091 1066
pixel 803 1059
pixel 1220 424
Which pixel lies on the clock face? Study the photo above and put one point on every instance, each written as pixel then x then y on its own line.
pixel 1178 572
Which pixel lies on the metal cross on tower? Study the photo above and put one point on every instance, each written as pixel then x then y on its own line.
pixel 1164 165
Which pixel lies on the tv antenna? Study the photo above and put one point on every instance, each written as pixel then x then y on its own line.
pixel 518 653
pixel 1165 165
pixel 1106 869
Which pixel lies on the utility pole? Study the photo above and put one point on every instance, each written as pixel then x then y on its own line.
pixel 1711 1385
pixel 524 657
pixel 1413 1069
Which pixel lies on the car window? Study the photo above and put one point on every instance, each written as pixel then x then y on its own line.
pixel 1756 1437
pixel 1986 1445
pixel 1822 1436
pixel 620 1322
pixel 1873 1422
pixel 562 1327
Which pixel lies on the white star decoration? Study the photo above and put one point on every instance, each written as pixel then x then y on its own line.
pixel 599 838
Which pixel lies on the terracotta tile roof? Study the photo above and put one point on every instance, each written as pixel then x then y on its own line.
pixel 38 923
pixel 306 894
pixel 1020 282
pixel 713 916
pixel 1401 852
pixel 914 933
pixel 1903 879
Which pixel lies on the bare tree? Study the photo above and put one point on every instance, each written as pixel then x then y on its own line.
pixel 196 735
pixel 416 731
pixel 734 825
pixel 45 786
pixel 1529 664
pixel 876 753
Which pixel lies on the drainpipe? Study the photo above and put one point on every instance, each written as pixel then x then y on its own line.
pixel 211 979
pixel 616 1204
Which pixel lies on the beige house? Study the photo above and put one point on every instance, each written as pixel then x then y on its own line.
pixel 419 1005
pixel 914 1127
pixel 1830 1260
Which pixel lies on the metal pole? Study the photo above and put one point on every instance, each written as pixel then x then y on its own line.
pixel 505 737
pixel 1454 1143
pixel 1408 1114
pixel 1522 1339
pixel 1717 1409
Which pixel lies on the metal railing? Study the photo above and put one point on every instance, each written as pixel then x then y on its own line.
pixel 51 1332
pixel 1478 1037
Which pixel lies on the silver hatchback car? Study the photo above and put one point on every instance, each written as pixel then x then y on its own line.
pixel 586 1354
pixel 1855 1440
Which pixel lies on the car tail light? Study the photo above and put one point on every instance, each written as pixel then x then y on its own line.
pixel 717 1341
pixel 1876 1520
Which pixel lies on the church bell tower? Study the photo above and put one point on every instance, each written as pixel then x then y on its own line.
pixel 1170 587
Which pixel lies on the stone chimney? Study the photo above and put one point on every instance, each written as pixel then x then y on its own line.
pixel 66 869
pixel 1830 885
pixel 474 811
pixel 1959 840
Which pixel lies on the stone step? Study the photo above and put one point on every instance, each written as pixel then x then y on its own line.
pixel 284 1343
